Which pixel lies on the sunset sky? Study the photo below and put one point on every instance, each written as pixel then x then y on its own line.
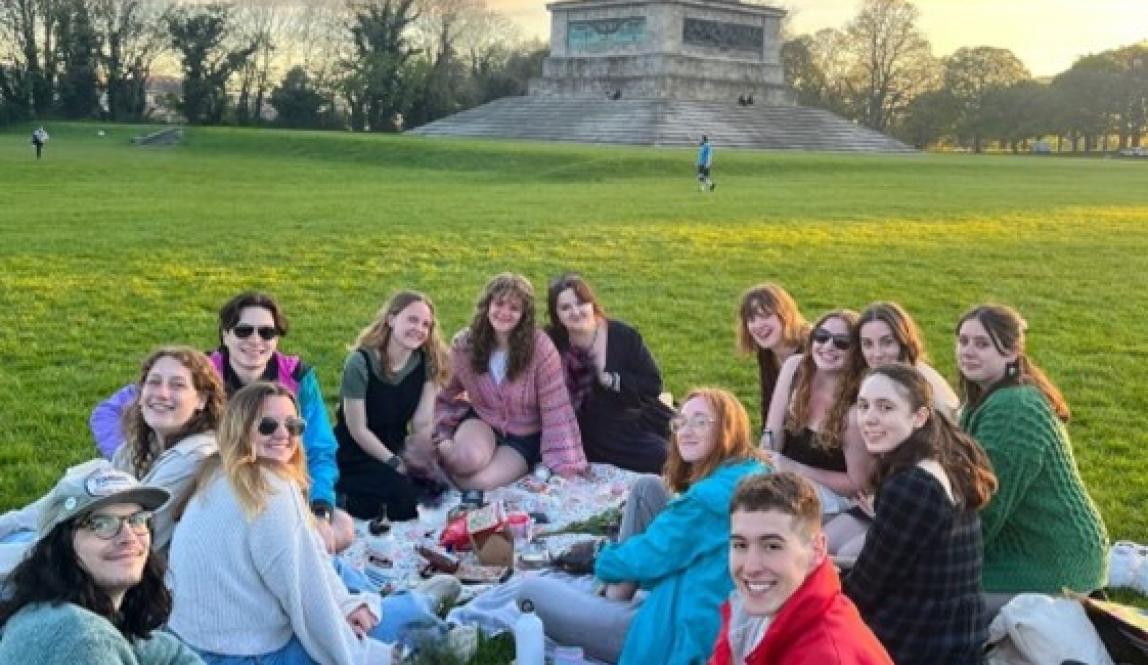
pixel 1048 35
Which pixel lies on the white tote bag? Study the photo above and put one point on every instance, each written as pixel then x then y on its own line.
pixel 1035 629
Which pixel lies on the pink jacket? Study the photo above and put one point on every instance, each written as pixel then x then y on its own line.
pixel 535 401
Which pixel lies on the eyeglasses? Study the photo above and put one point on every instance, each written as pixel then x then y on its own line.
pixel 106 527
pixel 243 331
pixel 294 426
pixel 841 341
pixel 679 422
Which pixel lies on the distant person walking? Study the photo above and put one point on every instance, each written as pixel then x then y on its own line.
pixel 705 158
pixel 39 138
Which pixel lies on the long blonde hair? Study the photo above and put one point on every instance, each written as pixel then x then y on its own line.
pixel 239 460
pixel 378 333
pixel 732 440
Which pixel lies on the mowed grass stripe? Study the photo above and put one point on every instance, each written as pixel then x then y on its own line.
pixel 108 250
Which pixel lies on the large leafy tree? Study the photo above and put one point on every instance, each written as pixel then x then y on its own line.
pixel 200 36
pixel 970 75
pixel 375 85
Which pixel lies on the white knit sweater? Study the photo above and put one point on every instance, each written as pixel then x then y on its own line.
pixel 243 588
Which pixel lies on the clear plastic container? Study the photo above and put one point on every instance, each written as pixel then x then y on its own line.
pixel 568 656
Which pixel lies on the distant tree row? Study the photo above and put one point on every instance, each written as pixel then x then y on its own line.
pixel 880 71
pixel 366 64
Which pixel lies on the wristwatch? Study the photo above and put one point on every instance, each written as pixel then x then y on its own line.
pixel 393 461
pixel 322 511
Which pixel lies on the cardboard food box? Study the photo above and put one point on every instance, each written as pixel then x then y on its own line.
pixel 490 536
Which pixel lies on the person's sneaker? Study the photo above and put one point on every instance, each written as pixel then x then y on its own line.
pixel 443 590
pixel 713 185
pixel 1124 562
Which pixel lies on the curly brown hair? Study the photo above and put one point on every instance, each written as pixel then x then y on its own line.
pixel 482 338
pixel 376 335
pixel 833 429
pixel 138 434
pixel 1006 329
pixel 962 458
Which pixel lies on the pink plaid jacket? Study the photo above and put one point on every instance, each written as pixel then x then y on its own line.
pixel 537 400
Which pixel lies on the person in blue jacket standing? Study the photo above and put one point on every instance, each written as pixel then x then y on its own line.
pixel 250 326
pixel 705 160
pixel 672 545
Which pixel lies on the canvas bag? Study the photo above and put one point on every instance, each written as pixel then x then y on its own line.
pixel 1035 629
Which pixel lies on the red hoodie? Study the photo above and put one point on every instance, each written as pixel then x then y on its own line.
pixel 818 625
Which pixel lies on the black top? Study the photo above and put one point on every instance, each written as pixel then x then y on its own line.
pixel 390 408
pixel 803 447
pixel 917 581
pixel 628 428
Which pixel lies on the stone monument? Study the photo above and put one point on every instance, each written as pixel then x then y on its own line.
pixel 703 50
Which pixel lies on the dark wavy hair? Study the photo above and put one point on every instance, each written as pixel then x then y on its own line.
pixel 139 435
pixel 962 458
pixel 232 309
pixel 521 342
pixel 1006 329
pixel 582 291
pixel 51 573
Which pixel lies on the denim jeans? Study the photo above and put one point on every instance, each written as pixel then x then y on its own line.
pixel 291 653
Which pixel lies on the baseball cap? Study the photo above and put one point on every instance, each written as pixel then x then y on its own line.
pixel 92 485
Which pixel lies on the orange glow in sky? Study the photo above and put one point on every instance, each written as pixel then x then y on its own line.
pixel 1047 35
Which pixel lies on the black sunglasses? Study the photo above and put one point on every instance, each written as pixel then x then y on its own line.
pixel 243 331
pixel 294 426
pixel 841 341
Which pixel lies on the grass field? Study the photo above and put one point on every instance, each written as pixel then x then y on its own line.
pixel 107 250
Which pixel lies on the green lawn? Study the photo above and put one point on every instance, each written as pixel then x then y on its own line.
pixel 107 250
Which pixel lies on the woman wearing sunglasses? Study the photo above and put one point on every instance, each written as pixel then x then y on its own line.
pixel 386 416
pixel 808 423
pixel 612 377
pixel 1042 532
pixel 771 328
pixel 170 431
pixel 250 326
pixel 886 333
pixel 506 407
pixel 251 580
pixel 673 543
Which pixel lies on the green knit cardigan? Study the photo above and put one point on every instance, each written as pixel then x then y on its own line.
pixel 1041 530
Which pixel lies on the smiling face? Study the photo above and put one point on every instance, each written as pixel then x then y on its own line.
pixel 770 557
pixel 251 354
pixel 978 357
pixel 885 414
pixel 695 430
pixel 168 398
pixel 826 355
pixel 115 565
pixel 279 445
pixel 765 328
pixel 879 345
pixel 411 326
pixel 504 313
pixel 575 315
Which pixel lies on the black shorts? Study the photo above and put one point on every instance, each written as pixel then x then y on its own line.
pixel 528 446
pixel 703 171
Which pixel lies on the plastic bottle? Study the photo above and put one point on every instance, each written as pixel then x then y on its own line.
pixel 529 637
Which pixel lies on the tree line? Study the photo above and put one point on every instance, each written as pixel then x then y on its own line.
pixel 364 64
pixel 879 70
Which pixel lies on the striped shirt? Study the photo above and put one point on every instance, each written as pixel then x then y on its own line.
pixel 534 401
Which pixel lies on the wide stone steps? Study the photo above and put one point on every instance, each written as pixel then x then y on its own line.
pixel 662 123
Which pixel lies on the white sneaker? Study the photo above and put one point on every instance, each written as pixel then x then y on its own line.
pixel 1140 575
pixel 1124 564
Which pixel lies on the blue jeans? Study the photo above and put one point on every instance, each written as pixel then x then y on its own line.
pixel 291 653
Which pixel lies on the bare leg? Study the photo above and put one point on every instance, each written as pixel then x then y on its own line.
pixel 344 528
pixel 840 533
pixel 471 450
pixel 506 467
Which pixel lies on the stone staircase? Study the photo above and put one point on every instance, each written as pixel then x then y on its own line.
pixel 662 123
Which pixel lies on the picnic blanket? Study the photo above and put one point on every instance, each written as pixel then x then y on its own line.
pixel 564 502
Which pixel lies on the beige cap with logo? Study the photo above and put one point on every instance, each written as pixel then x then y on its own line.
pixel 92 485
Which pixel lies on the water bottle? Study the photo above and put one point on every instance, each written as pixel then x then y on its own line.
pixel 529 638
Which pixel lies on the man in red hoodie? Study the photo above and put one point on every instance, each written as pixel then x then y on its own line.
pixel 787 607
